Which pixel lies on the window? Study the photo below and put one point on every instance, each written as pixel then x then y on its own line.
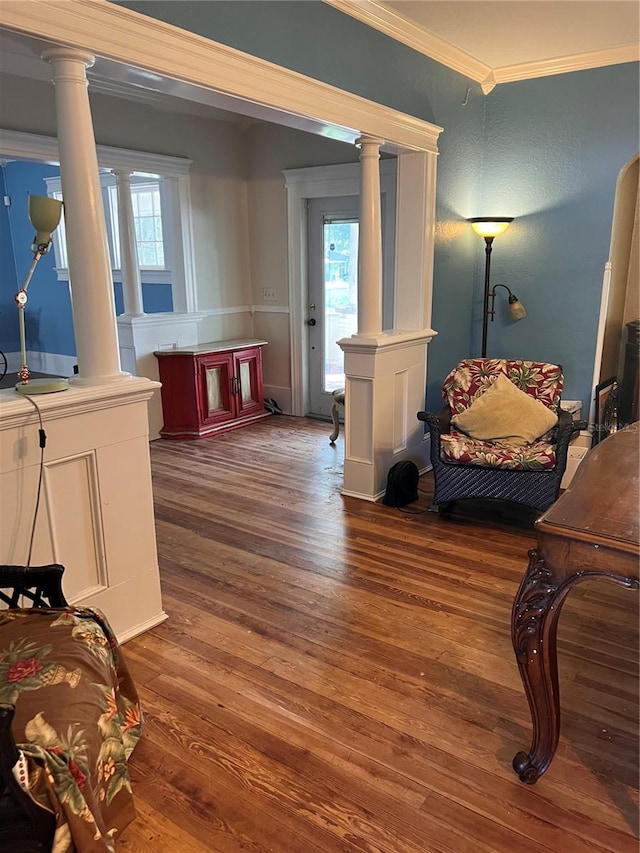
pixel 147 198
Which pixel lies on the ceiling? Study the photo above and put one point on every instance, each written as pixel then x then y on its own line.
pixel 495 41
pixel 490 41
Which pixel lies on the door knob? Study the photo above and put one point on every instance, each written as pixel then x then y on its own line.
pixel 311 322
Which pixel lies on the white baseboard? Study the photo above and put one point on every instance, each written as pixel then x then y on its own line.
pixel 281 395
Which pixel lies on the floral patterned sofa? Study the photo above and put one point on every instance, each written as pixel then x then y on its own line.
pixel 69 720
pixel 511 444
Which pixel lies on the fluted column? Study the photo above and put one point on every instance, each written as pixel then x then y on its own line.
pixel 370 239
pixel 129 266
pixel 94 316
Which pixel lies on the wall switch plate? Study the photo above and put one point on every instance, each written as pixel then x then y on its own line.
pixel 269 294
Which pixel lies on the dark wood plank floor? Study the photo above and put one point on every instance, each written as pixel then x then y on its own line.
pixel 337 675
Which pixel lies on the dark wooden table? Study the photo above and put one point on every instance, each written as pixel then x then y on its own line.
pixel 590 531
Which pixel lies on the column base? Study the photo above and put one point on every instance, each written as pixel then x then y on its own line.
pixel 385 382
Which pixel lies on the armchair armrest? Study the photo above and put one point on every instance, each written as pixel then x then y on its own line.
pixel 439 424
pixel 440 421
pixel 35 583
pixel 564 432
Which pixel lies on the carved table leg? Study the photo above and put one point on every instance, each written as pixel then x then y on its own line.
pixel 534 625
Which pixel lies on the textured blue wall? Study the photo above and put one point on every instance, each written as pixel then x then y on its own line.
pixel 8 310
pixel 48 317
pixel 545 151
pixel 554 149
pixel 310 37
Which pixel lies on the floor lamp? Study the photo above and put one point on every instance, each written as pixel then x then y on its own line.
pixel 490 227
pixel 44 214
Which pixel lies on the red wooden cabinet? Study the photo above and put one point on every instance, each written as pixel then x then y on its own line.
pixel 210 388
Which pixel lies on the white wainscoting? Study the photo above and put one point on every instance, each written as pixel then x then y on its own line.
pixel 96 505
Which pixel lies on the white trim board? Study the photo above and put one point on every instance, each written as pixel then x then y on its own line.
pixel 31 146
pixel 129 45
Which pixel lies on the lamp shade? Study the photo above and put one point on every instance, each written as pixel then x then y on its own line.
pixel 490 226
pixel 44 214
pixel 516 308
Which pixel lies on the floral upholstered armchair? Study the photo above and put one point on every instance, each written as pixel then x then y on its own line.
pixel 501 433
pixel 69 720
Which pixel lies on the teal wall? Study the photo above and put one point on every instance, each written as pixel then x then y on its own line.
pixel 546 151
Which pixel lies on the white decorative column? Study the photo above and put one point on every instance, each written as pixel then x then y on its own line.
pixel 129 265
pixel 415 237
pixel 385 371
pixel 91 484
pixel 370 239
pixel 94 316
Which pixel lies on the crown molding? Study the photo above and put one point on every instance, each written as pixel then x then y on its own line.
pixel 565 64
pixel 156 54
pixel 396 27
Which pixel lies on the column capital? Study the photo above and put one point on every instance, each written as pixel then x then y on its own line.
pixel 54 54
pixel 365 140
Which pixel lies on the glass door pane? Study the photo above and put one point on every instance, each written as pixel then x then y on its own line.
pixel 340 242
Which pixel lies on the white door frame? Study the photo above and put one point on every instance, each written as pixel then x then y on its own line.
pixel 300 185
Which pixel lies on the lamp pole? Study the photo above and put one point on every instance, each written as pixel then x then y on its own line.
pixel 485 310
pixel 488 227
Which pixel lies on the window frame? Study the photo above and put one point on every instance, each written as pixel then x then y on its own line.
pixel 148 275
pixel 177 185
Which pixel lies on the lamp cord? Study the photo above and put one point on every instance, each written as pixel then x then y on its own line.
pixel 43 443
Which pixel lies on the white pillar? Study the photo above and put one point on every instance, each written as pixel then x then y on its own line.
pixel 415 234
pixel 129 266
pixel 94 316
pixel 370 240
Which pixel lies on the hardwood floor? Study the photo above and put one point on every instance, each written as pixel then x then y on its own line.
pixel 337 675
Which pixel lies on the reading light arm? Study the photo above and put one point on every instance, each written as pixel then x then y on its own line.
pixel 21 300
pixel 491 311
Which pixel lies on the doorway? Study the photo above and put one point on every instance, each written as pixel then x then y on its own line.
pixel 332 299
pixel 303 186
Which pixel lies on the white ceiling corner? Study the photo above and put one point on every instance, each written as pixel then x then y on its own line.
pixel 498 41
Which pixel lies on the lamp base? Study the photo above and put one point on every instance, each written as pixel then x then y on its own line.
pixel 43 386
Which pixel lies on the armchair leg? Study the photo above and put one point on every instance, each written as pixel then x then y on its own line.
pixel 445 506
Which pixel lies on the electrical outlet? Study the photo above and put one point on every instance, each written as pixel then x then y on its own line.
pixel 269 294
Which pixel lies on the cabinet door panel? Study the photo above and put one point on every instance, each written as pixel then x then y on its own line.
pixel 216 401
pixel 248 371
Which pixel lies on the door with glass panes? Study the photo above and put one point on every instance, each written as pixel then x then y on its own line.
pixel 332 300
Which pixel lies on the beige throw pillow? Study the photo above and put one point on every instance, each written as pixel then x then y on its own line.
pixel 505 412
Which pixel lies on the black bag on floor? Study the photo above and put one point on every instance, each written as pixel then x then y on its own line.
pixel 402 484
